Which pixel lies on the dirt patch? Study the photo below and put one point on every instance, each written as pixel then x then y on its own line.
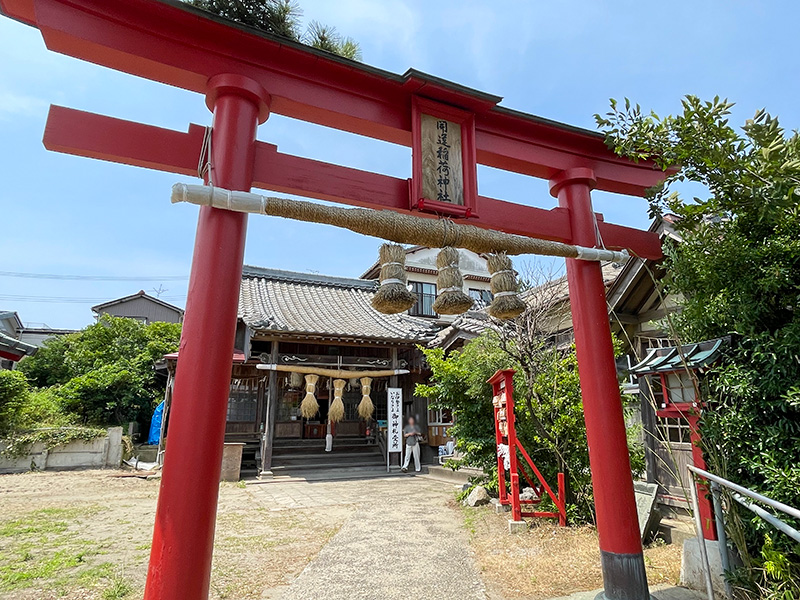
pixel 548 561
pixel 86 536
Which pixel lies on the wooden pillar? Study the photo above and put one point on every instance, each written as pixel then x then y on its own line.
pixel 649 426
pixel 268 439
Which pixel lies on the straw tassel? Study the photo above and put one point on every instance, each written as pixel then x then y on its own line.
pixel 366 407
pixel 393 296
pixel 506 303
pixel 336 411
pixel 309 406
pixel 451 299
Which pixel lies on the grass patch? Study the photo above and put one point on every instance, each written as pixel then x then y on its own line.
pixel 43 547
pixel 548 561
pixel 118 589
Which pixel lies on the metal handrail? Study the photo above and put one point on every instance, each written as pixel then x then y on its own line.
pixel 785 508
pixel 737 493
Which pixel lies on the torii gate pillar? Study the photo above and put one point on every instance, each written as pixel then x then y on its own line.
pixel 624 576
pixel 183 537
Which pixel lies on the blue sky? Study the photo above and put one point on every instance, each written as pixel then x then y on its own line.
pixel 562 60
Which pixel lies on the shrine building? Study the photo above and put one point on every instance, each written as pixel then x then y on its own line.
pixel 312 320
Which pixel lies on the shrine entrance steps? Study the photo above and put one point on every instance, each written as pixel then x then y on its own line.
pixel 291 457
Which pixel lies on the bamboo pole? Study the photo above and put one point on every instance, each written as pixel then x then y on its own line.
pixel 396 227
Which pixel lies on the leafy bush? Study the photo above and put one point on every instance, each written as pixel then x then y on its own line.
pixel 549 413
pixel 14 393
pixel 102 375
pixel 737 271
pixel 44 407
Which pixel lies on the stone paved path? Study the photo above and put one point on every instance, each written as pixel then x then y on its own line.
pixel 401 543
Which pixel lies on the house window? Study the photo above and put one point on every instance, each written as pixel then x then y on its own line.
pixel 243 401
pixel 426 296
pixel 674 430
pixel 681 389
pixel 482 296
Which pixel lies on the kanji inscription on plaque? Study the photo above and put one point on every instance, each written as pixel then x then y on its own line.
pixel 442 170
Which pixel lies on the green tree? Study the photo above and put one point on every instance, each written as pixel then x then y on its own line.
pixel 548 407
pixel 737 271
pixel 282 18
pixel 104 374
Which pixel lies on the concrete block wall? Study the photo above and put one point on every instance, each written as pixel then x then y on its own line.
pixel 100 453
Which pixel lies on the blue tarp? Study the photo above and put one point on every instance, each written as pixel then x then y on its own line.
pixel 155 425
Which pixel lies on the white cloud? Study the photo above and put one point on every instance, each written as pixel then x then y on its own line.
pixel 21 105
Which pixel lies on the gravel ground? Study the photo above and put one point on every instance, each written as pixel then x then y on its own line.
pixel 403 542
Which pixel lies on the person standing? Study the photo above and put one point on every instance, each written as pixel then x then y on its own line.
pixel 412 434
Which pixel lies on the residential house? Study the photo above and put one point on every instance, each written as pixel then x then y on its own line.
pixel 142 307
pixel 422 272
pixel 12 348
pixel 39 333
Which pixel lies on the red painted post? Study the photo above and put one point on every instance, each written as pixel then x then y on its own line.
pixel 562 500
pixel 508 390
pixel 624 576
pixel 183 536
pixel 703 487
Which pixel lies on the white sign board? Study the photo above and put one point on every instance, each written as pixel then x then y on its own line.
pixel 394 415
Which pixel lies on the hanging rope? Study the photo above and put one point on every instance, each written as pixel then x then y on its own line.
pixel 506 303
pixel 366 407
pixel 396 227
pixel 451 299
pixel 336 411
pixel 204 167
pixel 393 296
pixel 309 406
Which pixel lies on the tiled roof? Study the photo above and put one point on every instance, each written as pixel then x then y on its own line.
pixel 321 306
pixel 474 322
pixel 690 356
pixel 12 347
pixel 468 325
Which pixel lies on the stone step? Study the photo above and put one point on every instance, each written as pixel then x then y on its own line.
pixel 676 531
pixel 330 464
pixel 338 446
pixel 293 442
pixel 447 474
pixel 345 457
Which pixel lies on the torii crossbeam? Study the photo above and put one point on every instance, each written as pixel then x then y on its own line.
pixel 244 75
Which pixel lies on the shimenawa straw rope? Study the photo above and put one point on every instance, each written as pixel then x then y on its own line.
pixel 396 227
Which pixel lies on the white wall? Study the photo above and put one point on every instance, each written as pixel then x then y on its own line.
pixel 469 262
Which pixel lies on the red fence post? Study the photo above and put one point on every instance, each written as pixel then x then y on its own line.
pixel 703 487
pixel 562 500
pixel 624 576
pixel 183 536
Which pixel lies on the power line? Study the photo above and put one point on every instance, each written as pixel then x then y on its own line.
pixel 93 277
pixel 66 299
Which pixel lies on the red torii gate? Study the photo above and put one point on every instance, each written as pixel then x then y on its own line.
pixel 246 74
